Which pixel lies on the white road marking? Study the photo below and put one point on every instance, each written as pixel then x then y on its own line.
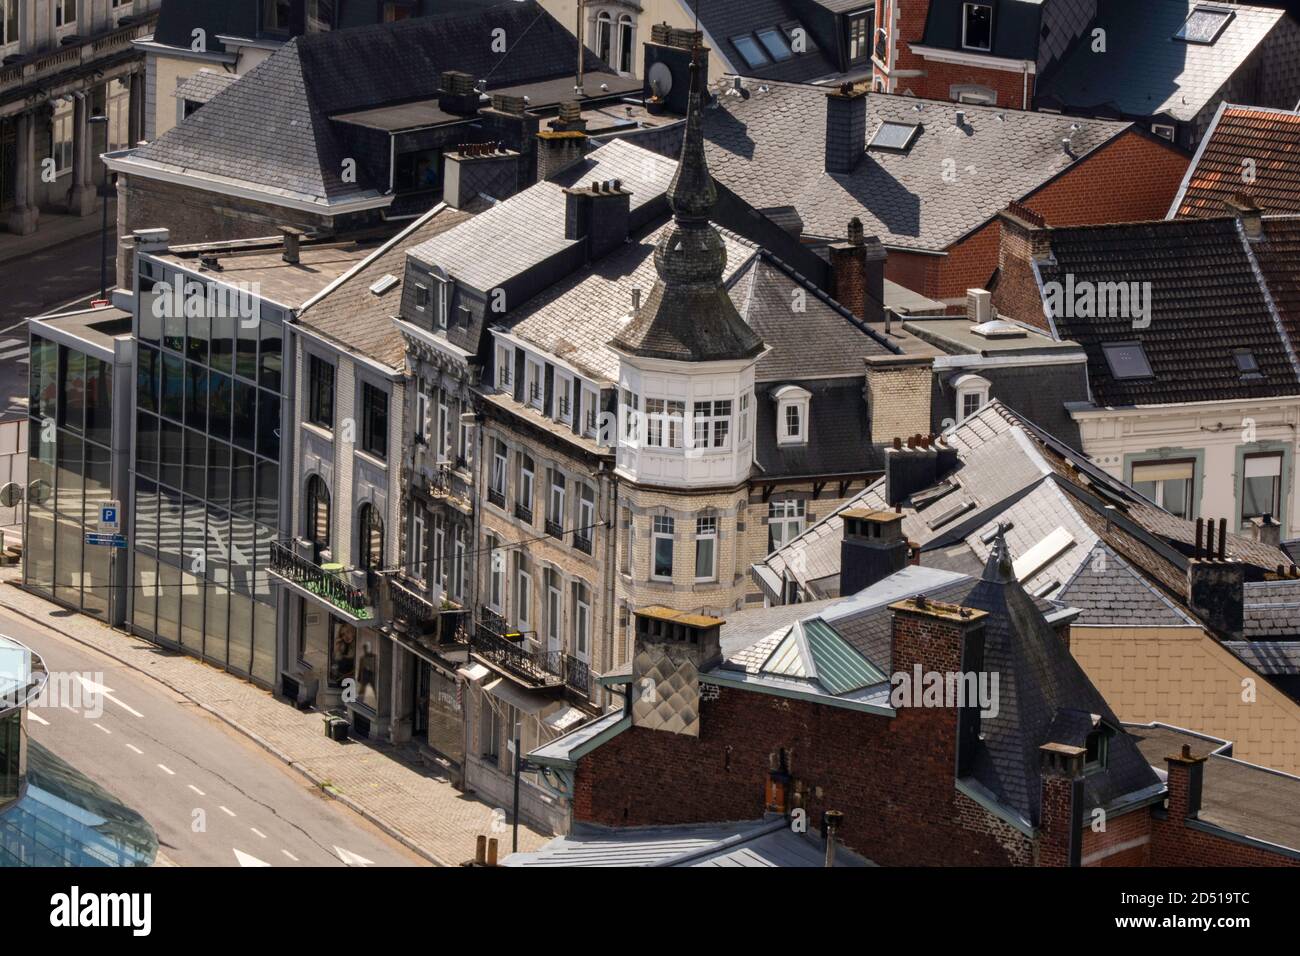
pixel 102 727
pixel 289 855
pixel 38 718
pixel 229 813
pixel 95 687
pixel 135 748
pixel 247 859
pixel 167 770
pixel 258 832
pixel 196 790
pixel 352 859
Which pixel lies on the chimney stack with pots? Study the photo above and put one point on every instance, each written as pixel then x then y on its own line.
pixel 858 273
pixel 873 548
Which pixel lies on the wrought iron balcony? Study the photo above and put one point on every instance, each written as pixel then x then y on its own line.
pixel 497 498
pixel 446 619
pixel 577 676
pixel 582 542
pixel 523 512
pixel 554 528
pixel 539 668
pixel 288 565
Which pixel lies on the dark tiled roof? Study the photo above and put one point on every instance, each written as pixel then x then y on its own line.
pixel 1206 301
pixel 204 85
pixel 1274 658
pixel 357 319
pixel 1108 591
pixel 839 433
pixel 769 150
pixel 726 20
pixel 1038 679
pixel 272 128
pixel 1278 254
pixel 1144 71
pixel 1272 610
pixel 1015 28
pixel 1264 142
pixel 177 19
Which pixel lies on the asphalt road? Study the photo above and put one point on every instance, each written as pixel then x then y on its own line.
pixel 213 797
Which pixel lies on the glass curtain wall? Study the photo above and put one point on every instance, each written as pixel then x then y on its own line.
pixel 207 465
pixel 70 402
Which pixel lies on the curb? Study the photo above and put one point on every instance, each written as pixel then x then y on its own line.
pixel 319 782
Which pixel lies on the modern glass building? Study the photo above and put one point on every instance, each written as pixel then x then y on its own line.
pixel 78 457
pixel 209 399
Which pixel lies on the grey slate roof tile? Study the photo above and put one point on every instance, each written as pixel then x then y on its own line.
pixel 1108 591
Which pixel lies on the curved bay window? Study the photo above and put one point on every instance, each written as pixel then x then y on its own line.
pixel 371 527
pixel 318 514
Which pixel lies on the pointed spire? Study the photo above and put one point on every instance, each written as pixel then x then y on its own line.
pixel 692 194
pixel 999 568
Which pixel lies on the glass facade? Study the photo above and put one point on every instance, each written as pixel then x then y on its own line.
pixel 69 475
pixel 207 472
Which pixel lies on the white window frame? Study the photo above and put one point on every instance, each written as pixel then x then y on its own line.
pixel 554 611
pixel 630 408
pixel 563 397
pixel 965 19
pixel 8 18
pixel 422 292
pixel 439 544
pixel 523 599
pixel 554 507
pixel 665 422
pixel 970 385
pixel 662 528
pixel 441 301
pixel 419 541
pixel 527 481
pixel 1279 487
pixel 605 36
pixel 628 26
pixel 534 382
pixel 500 468
pixel 505 367
pixel 59 12
pixel 422 416
pixel 706 533
pixel 1158 489
pixel 590 412
pixel 444 426
pixel 63 144
pixel 706 422
pixel 792 396
pixel 744 417
pixel 496 574
pixel 458 564
pixel 790 516
pixel 581 621
pixel 586 526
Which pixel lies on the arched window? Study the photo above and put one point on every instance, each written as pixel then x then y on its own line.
pixel 371 528
pixel 318 513
pixel 604 36
pixel 624 64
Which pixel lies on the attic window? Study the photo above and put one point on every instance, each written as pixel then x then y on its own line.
pixel 1096 749
pixel 894 137
pixel 750 50
pixel 1205 23
pixel 1127 360
pixel 1246 364
pixel 977 26
pixel 775 44
pixel 383 284
pixel 792 415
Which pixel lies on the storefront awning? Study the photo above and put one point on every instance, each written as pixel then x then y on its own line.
pixel 506 690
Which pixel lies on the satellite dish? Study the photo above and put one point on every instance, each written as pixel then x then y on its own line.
pixel 10 494
pixel 661 79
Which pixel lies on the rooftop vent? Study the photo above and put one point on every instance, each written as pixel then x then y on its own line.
pixel 384 283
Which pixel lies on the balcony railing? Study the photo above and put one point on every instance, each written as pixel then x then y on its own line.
pixel 554 528
pixel 411 606
pixel 523 512
pixel 582 542
pixel 43 65
pixel 497 498
pixel 327 585
pixel 510 650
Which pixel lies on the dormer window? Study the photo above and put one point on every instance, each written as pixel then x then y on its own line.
pixel 861 25
pixel 792 415
pixel 533 388
pixel 505 366
pixel 563 398
pixel 972 395
pixel 977 26
pixel 1096 750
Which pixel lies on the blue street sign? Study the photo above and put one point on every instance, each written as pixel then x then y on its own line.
pixel 111 540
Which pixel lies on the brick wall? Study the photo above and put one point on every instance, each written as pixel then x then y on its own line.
pixel 898 395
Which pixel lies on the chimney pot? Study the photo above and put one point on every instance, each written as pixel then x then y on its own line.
pixel 292 238
pixel 1223 537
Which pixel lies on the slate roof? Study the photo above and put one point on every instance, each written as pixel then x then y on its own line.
pixel 1269 139
pixel 1144 71
pixel 204 85
pixel 1015 28
pixel 769 150
pixel 764 843
pixel 1272 658
pixel 1278 253
pixel 272 128
pixel 178 18
pixel 1272 610
pixel 1107 591
pixel 528 228
pixel 839 431
pixel 358 320
pixel 1206 301
pixel 722 21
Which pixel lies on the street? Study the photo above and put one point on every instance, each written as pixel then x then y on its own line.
pixel 213 797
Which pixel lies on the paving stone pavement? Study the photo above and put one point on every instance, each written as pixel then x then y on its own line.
pixel 385 784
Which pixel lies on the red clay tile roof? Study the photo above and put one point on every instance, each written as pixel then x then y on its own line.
pixel 1245 142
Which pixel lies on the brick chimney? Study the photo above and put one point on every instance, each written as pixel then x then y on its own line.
pixel 564 144
pixel 1186 776
pixel 928 636
pixel 474 168
pixel 858 273
pixel 599 213
pixel 1215 593
pixel 1025 239
pixel 846 128
pixel 898 390
pixel 671 649
pixel 1060 841
pixel 457 93
pixel 873 548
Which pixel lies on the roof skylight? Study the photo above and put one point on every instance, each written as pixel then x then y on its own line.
pixel 1127 360
pixel 1204 24
pixel 750 51
pixel 1246 364
pixel 774 42
pixel 895 137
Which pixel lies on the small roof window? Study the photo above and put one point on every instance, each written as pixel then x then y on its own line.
pixel 1127 360
pixel 774 42
pixel 894 137
pixel 383 284
pixel 1204 24
pixel 750 50
pixel 1246 364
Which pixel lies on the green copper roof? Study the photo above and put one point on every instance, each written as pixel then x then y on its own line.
pixel 813 650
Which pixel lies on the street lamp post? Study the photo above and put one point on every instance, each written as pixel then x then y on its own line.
pixel 103 229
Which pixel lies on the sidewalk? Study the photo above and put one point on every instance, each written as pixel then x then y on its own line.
pixel 380 782
pixel 54 229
